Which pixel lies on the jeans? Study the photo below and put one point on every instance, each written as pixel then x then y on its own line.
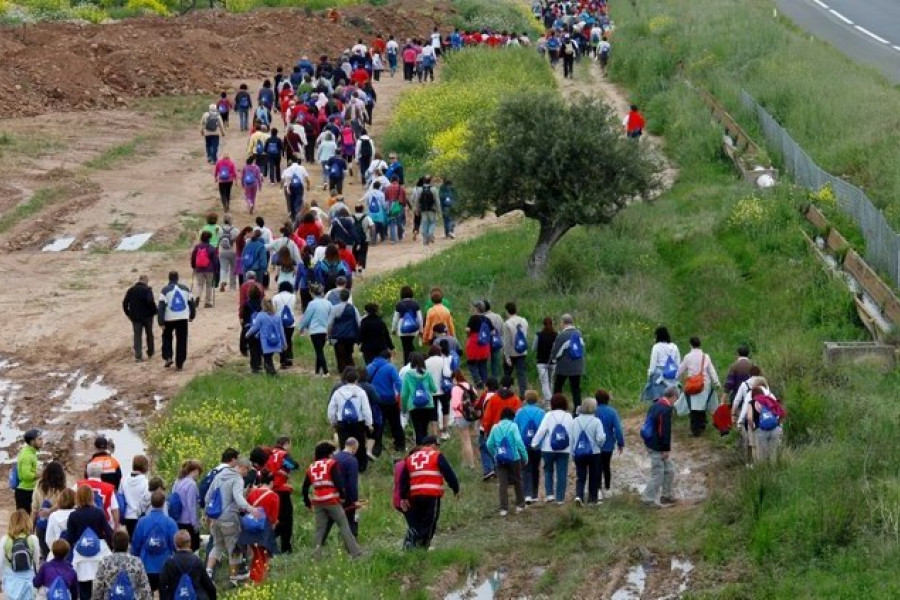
pixel 587 469
pixel 531 474
pixel 227 268
pixel 294 200
pixel 558 462
pixel 429 224
pixel 393 227
pixel 318 342
pixel 139 327
pixel 449 225
pixel 510 475
pixel 243 118
pixel 496 362
pixel 544 379
pixel 605 469
pixel 478 369
pixel 487 461
pixel 518 365
pixel 767 443
pixel 662 475
pixel 575 386
pixel 178 329
pixel 274 167
pixel 212 147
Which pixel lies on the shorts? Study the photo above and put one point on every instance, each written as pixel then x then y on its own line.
pixel 225 535
pixel 442 400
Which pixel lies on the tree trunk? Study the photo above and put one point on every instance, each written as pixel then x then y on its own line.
pixel 550 234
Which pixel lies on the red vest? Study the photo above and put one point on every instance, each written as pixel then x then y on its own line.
pixel 425 477
pixel 106 492
pixel 324 490
pixel 276 459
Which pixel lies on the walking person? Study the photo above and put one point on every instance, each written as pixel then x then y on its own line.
pixel 25 474
pixel 417 396
pixel 172 582
pixel 543 349
pixel 663 370
pixel 281 464
pixel 140 308
pixel 528 419
pixel 350 414
pixel 19 557
pixel 184 509
pixel 324 480
pixel 407 321
pixel 89 526
pixel 296 183
pixel 634 123
pixel 374 337
pixel 257 536
pixel 429 208
pixel 700 382
pixel 567 359
pixel 510 456
pixel 46 499
pixel 478 343
pixel 205 263
pixel 212 128
pixel 274 150
pixel 465 418
pixel 349 466
pixel 174 311
pixel 587 437
pixel 119 571
pixel 612 428
pixel 135 490
pixel 224 501
pixel 284 303
pixel 227 255
pixel 386 381
pixel 268 328
pixel 251 182
pixel 515 346
pixel 447 195
pixel 343 330
pixel 552 437
pixel 315 321
pixel 657 435
pixel 242 105
pixel 225 174
pixel 154 538
pixel 421 489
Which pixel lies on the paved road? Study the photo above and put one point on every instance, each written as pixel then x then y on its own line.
pixel 865 30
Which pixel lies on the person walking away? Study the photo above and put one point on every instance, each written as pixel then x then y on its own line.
pixel 343 330
pixel 491 387
pixel 227 255
pixel 58 518
pixel 154 538
pixel 515 346
pixel 568 55
pixel 224 174
pixel 439 366
pixel 212 128
pixel 251 182
pixel 417 396
pixel 267 326
pixel 104 493
pixel 587 437
pixel 315 321
pixel 387 384
pixel 429 209
pixel 567 359
pixel 254 257
pixel 657 435
pixel 465 418
pixel 552 437
pixel 274 150
pixel 204 262
pixel 243 104
pixel 738 373
pixel 183 574
pixel 505 398
pixel 281 464
pixel 121 575
pixel 496 341
pixel 224 502
pixel 528 419
pixel 20 557
pixel 184 508
pixel 374 337
pixel 296 183
pixel 663 370
pixel 764 414
pixel 448 198
pixel 740 409
pixel 634 123
pixel 392 50
pixel 407 321
pixel 174 311
pixel 57 575
pixel 437 318
pixel 349 467
pixel 324 480
pixel 543 348
pixel 110 469
pixel 604 48
pixel 363 153
pixel 257 535
pixel 700 381
pixel 46 500
pixel 421 490
pixel 395 197
pixel 140 308
pixel 284 303
pixel 612 429
pixel 409 55
pixel 350 414
pixel 510 456
pixel 26 470
pixel 89 526
pixel 136 491
pixel 364 236
pixel 478 343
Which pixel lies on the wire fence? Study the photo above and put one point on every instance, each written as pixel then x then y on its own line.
pixel 882 243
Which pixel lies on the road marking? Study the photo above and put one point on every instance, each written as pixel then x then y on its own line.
pixel 840 16
pixel 822 4
pixel 871 35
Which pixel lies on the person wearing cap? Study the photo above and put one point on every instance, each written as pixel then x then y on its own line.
pixel 211 128
pixel 27 467
pixel 111 470
pixel 421 490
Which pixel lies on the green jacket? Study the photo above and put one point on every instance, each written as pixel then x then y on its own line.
pixel 408 390
pixel 27 464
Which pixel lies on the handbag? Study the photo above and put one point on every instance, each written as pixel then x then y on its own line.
pixel 694 384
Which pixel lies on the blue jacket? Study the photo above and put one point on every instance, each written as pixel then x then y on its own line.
pixel 140 543
pixel 315 319
pixel 506 429
pixel 612 427
pixel 350 472
pixel 255 250
pixel 529 413
pixel 301 278
pixel 385 379
pixel 270 332
pixel 344 322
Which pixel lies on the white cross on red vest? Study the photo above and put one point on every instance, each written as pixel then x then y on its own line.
pixel 419 460
pixel 319 470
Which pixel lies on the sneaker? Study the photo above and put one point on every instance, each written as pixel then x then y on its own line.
pixel 520 509
pixel 452 237
pixel 549 499
pixel 528 500
pixel 488 476
pixel 445 436
pixel 667 501
pixel 503 513
pixel 560 503
pixel 578 501
pixel 169 363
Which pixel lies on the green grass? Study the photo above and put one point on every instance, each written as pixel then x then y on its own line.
pixel 112 157
pixel 39 200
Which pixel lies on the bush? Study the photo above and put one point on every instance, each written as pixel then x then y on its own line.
pixel 152 6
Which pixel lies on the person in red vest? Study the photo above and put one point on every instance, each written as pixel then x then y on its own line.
pixel 634 123
pixel 323 479
pixel 105 491
pixel 421 490
pixel 281 464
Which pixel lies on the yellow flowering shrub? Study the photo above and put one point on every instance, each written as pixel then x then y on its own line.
pixel 824 197
pixel 447 147
pixel 385 293
pixel 89 13
pixel 749 212
pixel 154 6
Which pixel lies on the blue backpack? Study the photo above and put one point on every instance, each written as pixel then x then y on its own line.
pixel 266 97
pixel 121 588
pixel 559 438
pixel 40 523
pixel 335 171
pixel 520 344
pixel 576 347
pixel 505 453
pixel 243 102
pixel 349 414
pixel 648 430
pixel 98 500
pixel 176 506
pixel 252 524
pixel 408 323
pixel 296 183
pixel 530 430
pixel 484 332
pixel 670 369
pixel 214 508
pixel 206 482
pixel 272 148
pixel 420 396
pixel 178 302
pixel 13 477
pixel 88 545
pixel 454 361
pixel 272 337
pixel 374 205
pixel 287 317
pixel 496 340
pixel 260 148
pixel 583 446
pixel 224 174
pixel 185 588
pixel 247 257
pixel 58 590
pixel 249 178
pixel 768 420
pixel 156 541
pixel 122 502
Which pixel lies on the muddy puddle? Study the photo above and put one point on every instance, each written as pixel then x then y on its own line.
pixel 631 470
pixel 59 244
pixel 133 242
pixel 477 588
pixel 657 579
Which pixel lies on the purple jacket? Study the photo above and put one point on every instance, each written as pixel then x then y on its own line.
pixel 52 569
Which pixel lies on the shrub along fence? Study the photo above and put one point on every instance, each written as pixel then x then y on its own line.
pixel 882 243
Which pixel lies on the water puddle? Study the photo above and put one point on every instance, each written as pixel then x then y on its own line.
pixel 635 582
pixel 666 585
pixel 130 243
pixel 477 589
pixel 59 244
pixel 85 396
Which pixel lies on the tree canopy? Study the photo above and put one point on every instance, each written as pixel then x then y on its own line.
pixel 561 163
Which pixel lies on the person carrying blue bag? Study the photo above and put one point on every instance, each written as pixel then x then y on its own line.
pixel 510 455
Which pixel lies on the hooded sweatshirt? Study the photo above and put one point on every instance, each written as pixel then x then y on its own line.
pixel 137 495
pixel 385 379
pixel 504 398
pixel 357 397
pixel 231 484
pixel 408 390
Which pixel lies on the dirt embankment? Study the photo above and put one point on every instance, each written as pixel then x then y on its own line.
pixel 53 67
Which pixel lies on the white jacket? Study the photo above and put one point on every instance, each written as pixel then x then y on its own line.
pixel 137 495
pixel 357 396
pixel 544 434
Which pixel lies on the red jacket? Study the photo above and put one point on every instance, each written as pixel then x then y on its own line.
pixel 635 121
pixel 267 500
pixel 106 491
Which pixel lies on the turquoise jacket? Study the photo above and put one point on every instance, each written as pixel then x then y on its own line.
pixel 507 429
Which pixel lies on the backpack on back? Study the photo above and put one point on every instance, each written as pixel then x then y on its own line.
pixel 529 432
pixel 18 554
pixel 670 368
pixel 249 178
pixel 496 340
pixel 335 171
pixel 349 414
pixel 408 323
pixel 576 347
pixel 648 429
pixel 420 396
pixel 583 445
pixel 243 102
pixel 365 149
pixel 374 205
pixel 225 238
pixel 470 410
pixel 559 438
pixel 121 588
pixel 202 260
pixel 347 136
pixel 224 173
pixel 505 453
pixel 88 545
pixel 185 588
pixel 156 541
pixel 215 506
pixel 206 482
pixel 58 590
pixel 287 317
pixel 426 200
pixel 272 148
pixel 520 344
pixel 212 122
pixel 175 506
pixel 484 332
pixel 770 413
pixel 296 182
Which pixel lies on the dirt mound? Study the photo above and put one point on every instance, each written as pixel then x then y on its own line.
pixel 52 67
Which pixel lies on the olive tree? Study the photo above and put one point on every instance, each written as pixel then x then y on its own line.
pixel 562 163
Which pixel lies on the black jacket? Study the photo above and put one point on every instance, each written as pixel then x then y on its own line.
pixel 661 414
pixel 139 304
pixel 185 562
pixel 374 336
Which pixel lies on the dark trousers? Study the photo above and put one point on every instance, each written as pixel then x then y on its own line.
pixel 318 342
pixel 23 499
pixel 287 355
pixel 225 194
pixel 336 184
pixel 510 475
pixel 269 363
pixel 587 468
pixel 408 70
pixel 361 253
pixel 518 365
pixel 390 417
pixel 420 418
pixel 363 167
pixel 274 167
pixel 85 590
pixel 605 470
pixel 284 531
pixel 212 147
pixel 698 422
pixel 178 329
pixel 531 474
pixel 262 161
pixel 343 354
pixel 355 430
pixel 195 535
pixel 139 328
pixel 568 64
pixel 574 385
pixel 478 369
pixel 421 521
pixel 243 344
pixel 256 356
pixel 294 201
pixel 130 525
pixel 408 343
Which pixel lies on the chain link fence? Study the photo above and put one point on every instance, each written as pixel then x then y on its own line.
pixel 882 243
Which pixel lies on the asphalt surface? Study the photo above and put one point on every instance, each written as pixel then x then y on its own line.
pixel 867 31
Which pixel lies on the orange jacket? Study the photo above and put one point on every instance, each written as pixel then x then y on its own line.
pixel 437 314
pixel 495 406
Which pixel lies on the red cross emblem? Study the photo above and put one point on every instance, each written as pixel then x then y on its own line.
pixel 419 460
pixel 319 470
